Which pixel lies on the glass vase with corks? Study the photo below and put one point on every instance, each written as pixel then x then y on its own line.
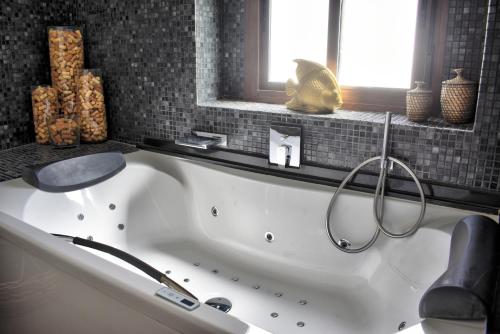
pixel 91 107
pixel 66 63
pixel 45 105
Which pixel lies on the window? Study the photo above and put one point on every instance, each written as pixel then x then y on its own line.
pixel 376 48
pixel 301 33
pixel 381 56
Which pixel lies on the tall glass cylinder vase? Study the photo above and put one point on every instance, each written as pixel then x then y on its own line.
pixel 90 106
pixel 66 63
pixel 45 105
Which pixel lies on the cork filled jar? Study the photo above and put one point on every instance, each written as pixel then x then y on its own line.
pixel 90 107
pixel 64 131
pixel 45 105
pixel 66 63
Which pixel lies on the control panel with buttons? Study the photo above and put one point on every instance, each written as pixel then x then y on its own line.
pixel 178 298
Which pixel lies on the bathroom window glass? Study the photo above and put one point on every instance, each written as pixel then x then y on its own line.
pixel 377 40
pixel 376 48
pixel 297 29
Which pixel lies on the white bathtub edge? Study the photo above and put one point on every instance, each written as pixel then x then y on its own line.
pixel 131 289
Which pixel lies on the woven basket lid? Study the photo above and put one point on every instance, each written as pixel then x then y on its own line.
pixel 419 90
pixel 459 80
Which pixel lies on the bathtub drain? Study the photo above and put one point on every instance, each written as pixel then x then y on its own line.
pixel 220 303
pixel 214 211
pixel 269 236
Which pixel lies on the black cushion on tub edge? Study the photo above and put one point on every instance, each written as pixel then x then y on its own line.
pixel 75 173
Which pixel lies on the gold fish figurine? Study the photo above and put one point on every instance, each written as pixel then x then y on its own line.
pixel 317 90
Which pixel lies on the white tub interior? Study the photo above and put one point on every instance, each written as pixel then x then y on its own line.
pixel 165 205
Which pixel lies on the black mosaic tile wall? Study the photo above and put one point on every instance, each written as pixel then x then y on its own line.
pixel 485 152
pixel 24 62
pixel 232 25
pixel 465 37
pixel 208 49
pixel 434 153
pixel 147 51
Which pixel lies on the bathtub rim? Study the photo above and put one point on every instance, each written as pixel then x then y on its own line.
pixel 120 284
pixel 437 193
pixel 29 232
pixel 19 233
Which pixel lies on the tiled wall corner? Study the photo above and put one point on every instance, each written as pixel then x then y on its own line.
pixel 147 52
pixel 24 62
pixel 232 65
pixel 465 37
pixel 208 49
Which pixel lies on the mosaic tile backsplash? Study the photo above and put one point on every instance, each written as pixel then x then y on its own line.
pixel 232 60
pixel 24 62
pixel 465 37
pixel 154 80
pixel 208 49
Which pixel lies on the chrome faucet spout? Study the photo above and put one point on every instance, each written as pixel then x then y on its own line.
pixel 203 140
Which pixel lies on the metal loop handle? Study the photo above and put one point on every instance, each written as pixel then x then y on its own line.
pixel 379 202
pixel 377 205
pixel 330 207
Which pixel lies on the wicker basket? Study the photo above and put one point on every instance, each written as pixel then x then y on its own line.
pixel 418 103
pixel 458 97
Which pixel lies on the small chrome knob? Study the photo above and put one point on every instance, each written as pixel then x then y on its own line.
pixel 344 243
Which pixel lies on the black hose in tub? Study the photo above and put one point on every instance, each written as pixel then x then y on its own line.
pixel 465 291
pixel 139 264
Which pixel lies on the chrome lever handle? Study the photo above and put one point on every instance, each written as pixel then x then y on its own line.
pixel 285 145
pixel 283 155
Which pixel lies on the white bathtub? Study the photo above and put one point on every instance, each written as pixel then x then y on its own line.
pixel 165 204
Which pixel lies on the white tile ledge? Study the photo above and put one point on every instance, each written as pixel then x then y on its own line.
pixel 362 116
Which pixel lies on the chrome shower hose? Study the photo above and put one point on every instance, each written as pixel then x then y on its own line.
pixel 377 206
pixel 378 202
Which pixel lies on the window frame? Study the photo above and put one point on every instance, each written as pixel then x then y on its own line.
pixel 428 62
